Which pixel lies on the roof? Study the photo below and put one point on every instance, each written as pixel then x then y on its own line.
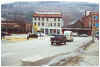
pixel 47 14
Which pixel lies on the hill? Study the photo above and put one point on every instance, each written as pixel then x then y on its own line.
pixel 23 11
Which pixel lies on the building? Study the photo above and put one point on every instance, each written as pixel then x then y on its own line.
pixel 12 26
pixel 48 22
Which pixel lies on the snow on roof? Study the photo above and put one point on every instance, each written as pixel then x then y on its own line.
pixel 47 14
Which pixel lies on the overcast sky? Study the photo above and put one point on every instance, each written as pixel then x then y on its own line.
pixel 10 1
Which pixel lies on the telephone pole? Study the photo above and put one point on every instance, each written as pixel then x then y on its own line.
pixel 93 18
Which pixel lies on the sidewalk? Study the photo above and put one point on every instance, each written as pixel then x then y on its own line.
pixel 91 55
pixel 87 57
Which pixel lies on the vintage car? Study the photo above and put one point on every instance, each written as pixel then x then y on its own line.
pixel 32 36
pixel 58 39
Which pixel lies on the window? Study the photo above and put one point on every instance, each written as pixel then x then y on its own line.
pixel 54 19
pixel 38 23
pixel 42 30
pixel 58 19
pixel 50 30
pixel 58 31
pixel 39 18
pixel 51 24
pixel 43 18
pixel 34 22
pixel 54 24
pixel 59 24
pixel 42 24
pixel 34 18
pixel 47 19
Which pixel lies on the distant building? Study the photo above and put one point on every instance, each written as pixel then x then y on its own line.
pixel 48 22
pixel 13 26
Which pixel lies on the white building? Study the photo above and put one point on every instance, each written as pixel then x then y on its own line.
pixel 49 22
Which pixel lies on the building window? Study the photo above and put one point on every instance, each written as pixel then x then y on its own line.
pixel 34 22
pixel 42 30
pixel 42 24
pixel 58 31
pixel 59 24
pixel 34 18
pixel 43 18
pixel 54 19
pixel 50 30
pixel 47 19
pixel 39 18
pixel 51 24
pixel 54 24
pixel 58 19
pixel 38 23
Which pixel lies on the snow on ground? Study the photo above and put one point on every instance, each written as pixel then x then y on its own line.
pixel 13 52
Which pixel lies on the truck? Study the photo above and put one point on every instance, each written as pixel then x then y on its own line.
pixel 58 39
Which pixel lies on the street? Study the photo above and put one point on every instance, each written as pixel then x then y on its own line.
pixel 13 52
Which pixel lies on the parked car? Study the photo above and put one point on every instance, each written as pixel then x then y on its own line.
pixel 83 35
pixel 58 39
pixel 68 35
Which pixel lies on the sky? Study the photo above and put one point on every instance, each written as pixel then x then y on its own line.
pixel 11 1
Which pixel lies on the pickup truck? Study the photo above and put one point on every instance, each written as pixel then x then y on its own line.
pixel 58 39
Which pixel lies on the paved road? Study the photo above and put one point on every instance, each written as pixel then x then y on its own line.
pixel 13 52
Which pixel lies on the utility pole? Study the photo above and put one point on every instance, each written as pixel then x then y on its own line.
pixel 93 17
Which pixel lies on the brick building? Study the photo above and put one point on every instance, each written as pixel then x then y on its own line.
pixel 13 26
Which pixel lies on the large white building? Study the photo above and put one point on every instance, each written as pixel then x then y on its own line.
pixel 48 22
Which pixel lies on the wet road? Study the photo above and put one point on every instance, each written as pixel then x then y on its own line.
pixel 13 52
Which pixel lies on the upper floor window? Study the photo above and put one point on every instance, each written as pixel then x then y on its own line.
pixel 54 19
pixel 38 23
pixel 58 19
pixel 58 24
pixel 42 24
pixel 43 18
pixel 51 24
pixel 34 18
pixel 47 19
pixel 54 24
pixel 39 18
